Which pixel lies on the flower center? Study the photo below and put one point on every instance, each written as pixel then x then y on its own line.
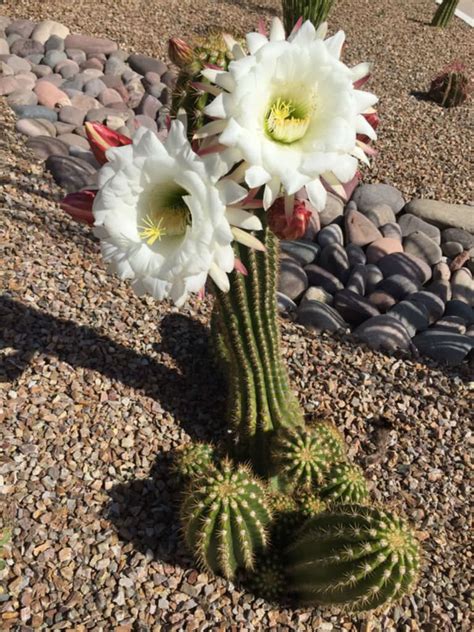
pixel 167 216
pixel 287 121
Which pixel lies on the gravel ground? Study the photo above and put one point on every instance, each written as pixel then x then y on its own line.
pixel 98 387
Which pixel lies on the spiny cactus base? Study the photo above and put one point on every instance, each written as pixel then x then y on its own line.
pixel 303 456
pixel 354 556
pixel 444 13
pixel 225 517
pixel 345 484
pixel 193 460
pixel 268 578
pixel 451 87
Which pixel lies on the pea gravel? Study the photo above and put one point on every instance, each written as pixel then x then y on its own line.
pixel 98 387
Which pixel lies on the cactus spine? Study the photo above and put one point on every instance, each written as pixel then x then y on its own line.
pixel 345 484
pixel 193 460
pixel 316 11
pixel 354 556
pixel 444 13
pixel 246 331
pixel 225 517
pixel 304 456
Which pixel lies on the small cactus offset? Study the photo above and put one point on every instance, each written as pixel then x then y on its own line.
pixel 316 11
pixel 303 457
pixel 193 460
pixel 225 518
pixel 309 504
pixel 268 578
pixel 345 484
pixel 451 87
pixel 357 557
pixel 444 13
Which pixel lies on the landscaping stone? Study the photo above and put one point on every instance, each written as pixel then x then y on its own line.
pixel 70 114
pixel 23 28
pixel 25 47
pixel 109 96
pixel 353 307
pixel 435 306
pixel 405 264
pixel 391 230
pixel 47 29
pixel 115 66
pixel 314 224
pixel 459 308
pixel 148 106
pixel 143 64
pixel 359 229
pixel 5 70
pixel 53 57
pixel 454 324
pixel 21 97
pixel 384 332
pixel 462 286
pixel 323 278
pixel 67 69
pixel 304 252
pixel 35 127
pixel 443 346
pixel 17 64
pixel 373 276
pixel 452 248
pixel 334 258
pixel 457 234
pixel 356 255
pixel 285 304
pixel 319 317
pixel 441 271
pixel 441 288
pixel 413 316
pixel 45 146
pixel 316 293
pixel 356 281
pixel 35 111
pixel 381 248
pixel 54 43
pixel 410 223
pixel 90 45
pixel 382 300
pixel 70 173
pixel 85 102
pixel 398 286
pixel 330 235
pixel 443 214
pixel 8 85
pixel 333 210
pixel 49 95
pixel 370 196
pixel 380 214
pixel 94 87
pixel 74 140
pixel 422 246
pixel 4 47
pixel 292 280
pixel 53 78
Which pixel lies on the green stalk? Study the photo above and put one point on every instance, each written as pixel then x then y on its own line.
pixel 316 11
pixel 444 13
pixel 247 341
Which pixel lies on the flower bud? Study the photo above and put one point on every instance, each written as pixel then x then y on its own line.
pixel 79 206
pixel 293 227
pixel 180 52
pixel 102 138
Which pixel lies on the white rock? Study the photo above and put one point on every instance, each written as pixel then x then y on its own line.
pixel 44 30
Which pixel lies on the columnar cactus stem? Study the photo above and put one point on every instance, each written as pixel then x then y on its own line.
pixel 316 11
pixel 444 13
pixel 247 338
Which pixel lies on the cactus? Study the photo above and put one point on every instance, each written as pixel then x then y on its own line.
pixel 309 504
pixel 345 484
pixel 444 13
pixel 304 456
pixel 268 579
pixel 358 557
pixel 245 329
pixel 193 460
pixel 225 517
pixel 451 87
pixel 316 11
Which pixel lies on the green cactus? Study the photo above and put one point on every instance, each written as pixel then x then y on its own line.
pixel 444 13
pixel 225 518
pixel 303 456
pixel 316 11
pixel 345 484
pixel 193 460
pixel 451 87
pixel 309 504
pixel 268 578
pixel 354 556
pixel 245 329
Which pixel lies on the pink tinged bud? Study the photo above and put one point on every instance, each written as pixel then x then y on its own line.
pixel 292 227
pixel 261 28
pixel 102 138
pixel 79 206
pixel 180 52
pixel 239 266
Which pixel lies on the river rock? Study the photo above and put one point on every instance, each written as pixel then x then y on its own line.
pixel 330 235
pixel 41 70
pixel 359 229
pixel 369 196
pixel 381 248
pixel 353 307
pixel 94 87
pixel 454 324
pixel 304 252
pixel 35 111
pixel 462 286
pixel 410 223
pixel 17 64
pixel 26 80
pixel 398 286
pixel 4 47
pixel 334 258
pixel 285 304
pixel 293 280
pixel 53 57
pixel 26 47
pixel 392 231
pixel 44 30
pixel 318 276
pixel 314 224
pixel 441 288
pixel 382 300
pixel 71 173
pixel 459 308
pixel 45 146
pixel 23 28
pixel 356 255
pixel 90 45
pixel 458 235
pixel 70 114
pixel 405 264
pixel 315 293
pixel 380 214
pixel 67 69
pixel 115 66
pixel 109 96
pixel 373 276
pixel 35 127
pixel 84 102
pixel 356 281
pixel 8 85
pixel 54 43
pixel 443 214
pixel 434 304
pixel 74 140
pixel 333 210
pixel 143 64
pixel 318 317
pixel 422 246
pixel 384 332
pixel 148 106
pixel 93 64
pixel 452 249
pixel 441 271
pixel 444 346
pixel 414 316
pixel 49 95
pixel 21 97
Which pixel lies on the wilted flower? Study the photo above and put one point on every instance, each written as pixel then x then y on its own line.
pixel 289 226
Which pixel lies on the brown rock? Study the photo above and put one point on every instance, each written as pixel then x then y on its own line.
pixel 382 247
pixel 49 95
pixel 359 229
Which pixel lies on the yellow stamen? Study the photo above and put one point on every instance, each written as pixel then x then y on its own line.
pixel 286 122
pixel 152 230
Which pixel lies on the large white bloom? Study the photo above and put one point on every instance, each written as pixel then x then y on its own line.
pixel 163 217
pixel 289 109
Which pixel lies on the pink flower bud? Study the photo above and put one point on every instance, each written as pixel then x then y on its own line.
pixel 102 138
pixel 79 206
pixel 293 227
pixel 180 52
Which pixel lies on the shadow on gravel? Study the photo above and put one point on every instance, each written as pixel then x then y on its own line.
pixel 193 392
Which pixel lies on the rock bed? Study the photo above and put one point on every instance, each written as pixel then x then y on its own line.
pixel 399 275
